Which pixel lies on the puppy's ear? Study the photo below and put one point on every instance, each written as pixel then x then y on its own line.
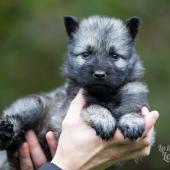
pixel 71 25
pixel 133 26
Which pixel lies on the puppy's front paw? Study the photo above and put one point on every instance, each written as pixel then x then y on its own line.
pixel 101 120
pixel 104 129
pixel 132 126
pixel 6 134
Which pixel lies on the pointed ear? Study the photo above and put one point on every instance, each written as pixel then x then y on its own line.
pixel 71 25
pixel 133 26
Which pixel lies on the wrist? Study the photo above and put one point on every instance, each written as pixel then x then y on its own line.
pixel 63 163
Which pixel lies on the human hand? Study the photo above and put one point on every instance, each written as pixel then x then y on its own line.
pixel 31 153
pixel 80 148
pixel 90 151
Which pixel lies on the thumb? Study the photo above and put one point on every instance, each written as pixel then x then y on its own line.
pixel 76 106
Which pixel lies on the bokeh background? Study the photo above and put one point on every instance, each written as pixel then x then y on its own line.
pixel 33 42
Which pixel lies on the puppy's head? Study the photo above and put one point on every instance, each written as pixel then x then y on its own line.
pixel 101 53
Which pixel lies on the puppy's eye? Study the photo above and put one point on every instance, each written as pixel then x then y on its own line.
pixel 85 54
pixel 115 56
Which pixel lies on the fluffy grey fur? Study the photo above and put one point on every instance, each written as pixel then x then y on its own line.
pixel 102 59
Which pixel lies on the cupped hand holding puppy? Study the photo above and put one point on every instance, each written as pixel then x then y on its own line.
pixel 80 148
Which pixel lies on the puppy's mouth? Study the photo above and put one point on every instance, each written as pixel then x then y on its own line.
pixel 98 85
pixel 99 89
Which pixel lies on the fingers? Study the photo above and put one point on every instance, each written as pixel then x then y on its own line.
pixel 145 111
pixel 52 143
pixel 148 139
pixel 36 151
pixel 138 153
pixel 119 138
pixel 31 153
pixel 76 106
pixel 25 158
pixel 150 119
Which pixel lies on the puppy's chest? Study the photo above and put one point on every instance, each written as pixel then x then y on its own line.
pixel 109 102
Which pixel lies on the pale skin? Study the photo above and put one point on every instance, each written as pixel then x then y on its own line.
pixel 82 149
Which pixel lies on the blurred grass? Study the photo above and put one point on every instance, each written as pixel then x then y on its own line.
pixel 33 43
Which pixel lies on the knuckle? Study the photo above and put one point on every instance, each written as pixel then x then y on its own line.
pixel 147 142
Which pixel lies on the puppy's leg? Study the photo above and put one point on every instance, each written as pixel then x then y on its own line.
pixel 23 114
pixel 133 98
pixel 132 125
pixel 101 120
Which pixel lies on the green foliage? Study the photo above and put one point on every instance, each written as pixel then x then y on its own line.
pixel 33 42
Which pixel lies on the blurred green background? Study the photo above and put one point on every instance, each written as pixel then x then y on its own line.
pixel 33 43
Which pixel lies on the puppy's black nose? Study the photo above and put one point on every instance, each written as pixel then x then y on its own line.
pixel 99 74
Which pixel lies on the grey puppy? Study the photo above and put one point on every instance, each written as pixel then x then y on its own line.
pixel 101 59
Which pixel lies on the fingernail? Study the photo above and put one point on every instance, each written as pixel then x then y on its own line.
pixel 30 135
pixel 80 96
pixel 30 132
pixel 156 113
pixel 24 145
pixel 49 134
pixel 145 111
pixel 81 92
